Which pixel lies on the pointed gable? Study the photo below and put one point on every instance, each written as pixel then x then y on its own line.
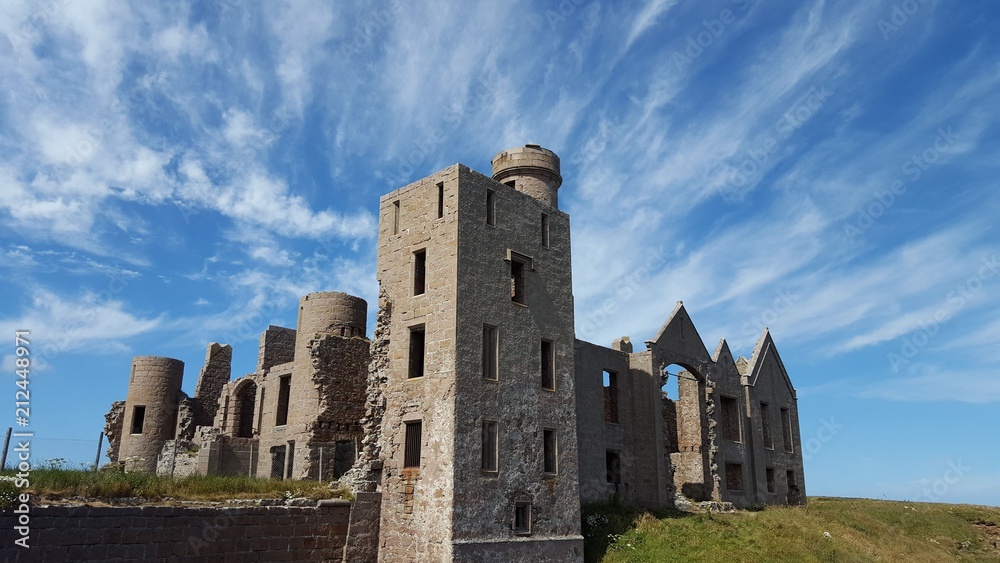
pixel 678 342
pixel 765 355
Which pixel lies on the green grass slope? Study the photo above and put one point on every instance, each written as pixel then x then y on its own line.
pixel 827 529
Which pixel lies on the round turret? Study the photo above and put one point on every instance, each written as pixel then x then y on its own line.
pixel 330 312
pixel 150 410
pixel 530 169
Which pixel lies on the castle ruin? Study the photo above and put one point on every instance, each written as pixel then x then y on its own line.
pixel 473 413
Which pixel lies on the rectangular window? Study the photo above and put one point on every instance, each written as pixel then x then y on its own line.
pixel 417 338
pixel 790 480
pixel 490 438
pixel 765 425
pixel 395 217
pixel 440 200
pixel 516 280
pixel 614 467
pixel 610 396
pixel 491 207
pixel 491 343
pixel 786 429
pixel 551 451
pixel 770 479
pixel 419 271
pixel 522 518
pixel 411 447
pixel 284 391
pixel 548 365
pixel 734 477
pixel 545 230
pixel 730 419
pixel 138 418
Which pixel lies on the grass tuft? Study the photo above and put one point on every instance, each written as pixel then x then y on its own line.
pixel 858 530
pixel 110 485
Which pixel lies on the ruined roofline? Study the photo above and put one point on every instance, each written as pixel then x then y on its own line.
pixel 765 345
pixel 464 169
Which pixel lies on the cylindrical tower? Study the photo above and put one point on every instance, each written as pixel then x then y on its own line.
pixel 530 169
pixel 150 410
pixel 329 312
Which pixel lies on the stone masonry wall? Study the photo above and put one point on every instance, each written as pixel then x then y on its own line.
pixel 214 375
pixel 166 533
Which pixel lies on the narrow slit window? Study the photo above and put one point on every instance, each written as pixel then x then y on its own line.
pixel 395 217
pixel 730 419
pixel 786 430
pixel 260 411
pixel 419 271
pixel 138 418
pixel 411 446
pixel 284 391
pixel 610 396
pixel 614 467
pixel 545 230
pixel 551 451
pixel 490 439
pixel 491 344
pixel 734 477
pixel 765 425
pixel 770 479
pixel 548 365
pixel 491 207
pixel 511 183
pixel 522 518
pixel 417 339
pixel 517 281
pixel 440 187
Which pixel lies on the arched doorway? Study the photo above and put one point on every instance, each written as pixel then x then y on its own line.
pixel 246 399
pixel 685 423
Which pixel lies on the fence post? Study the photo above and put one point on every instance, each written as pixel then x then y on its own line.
pixel 6 443
pixel 320 463
pixel 250 462
pixel 100 444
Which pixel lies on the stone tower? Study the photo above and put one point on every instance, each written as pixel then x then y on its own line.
pixel 150 410
pixel 479 431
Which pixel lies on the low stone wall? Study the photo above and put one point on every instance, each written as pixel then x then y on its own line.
pixel 163 533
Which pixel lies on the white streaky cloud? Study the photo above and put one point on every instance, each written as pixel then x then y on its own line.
pixel 647 17
pixel 257 199
pixel 94 322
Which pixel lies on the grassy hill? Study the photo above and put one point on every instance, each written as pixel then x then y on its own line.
pixel 828 529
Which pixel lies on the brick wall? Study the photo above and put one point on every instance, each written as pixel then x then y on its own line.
pixel 163 533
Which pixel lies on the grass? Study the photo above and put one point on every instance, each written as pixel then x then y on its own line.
pixel 109 485
pixel 859 530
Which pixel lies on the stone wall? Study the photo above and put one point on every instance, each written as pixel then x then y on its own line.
pixel 214 375
pixel 155 533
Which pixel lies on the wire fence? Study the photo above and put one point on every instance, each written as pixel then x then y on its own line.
pixel 52 453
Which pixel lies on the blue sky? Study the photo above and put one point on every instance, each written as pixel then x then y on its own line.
pixel 179 174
